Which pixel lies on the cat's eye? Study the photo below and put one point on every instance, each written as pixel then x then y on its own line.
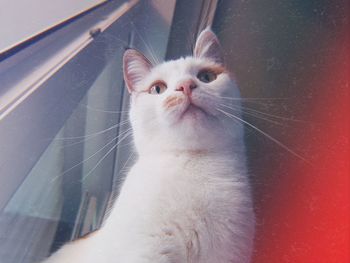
pixel 206 76
pixel 158 88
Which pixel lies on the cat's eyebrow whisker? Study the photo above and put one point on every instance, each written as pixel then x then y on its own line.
pixel 148 47
pixel 232 116
pixel 104 156
pixel 111 36
pixel 191 41
pixel 91 156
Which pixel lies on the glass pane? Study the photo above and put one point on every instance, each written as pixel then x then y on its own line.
pixel 72 181
pixel 66 193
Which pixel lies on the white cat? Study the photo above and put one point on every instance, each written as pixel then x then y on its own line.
pixel 187 198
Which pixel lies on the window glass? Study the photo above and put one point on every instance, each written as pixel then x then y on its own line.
pixel 72 180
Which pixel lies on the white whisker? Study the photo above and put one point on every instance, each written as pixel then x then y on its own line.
pixel 104 156
pixel 148 47
pixel 110 36
pixel 248 109
pixel 88 158
pixel 101 110
pixel 253 99
pixel 238 109
pixel 273 115
pixel 92 134
pixel 131 155
pixel 265 134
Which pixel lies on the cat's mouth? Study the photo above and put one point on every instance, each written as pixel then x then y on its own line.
pixel 186 108
pixel 193 110
pixel 192 107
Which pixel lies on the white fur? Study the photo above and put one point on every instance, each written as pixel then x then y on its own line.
pixel 187 198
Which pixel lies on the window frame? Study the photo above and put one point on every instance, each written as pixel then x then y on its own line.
pixel 34 92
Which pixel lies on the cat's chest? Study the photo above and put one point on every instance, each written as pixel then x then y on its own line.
pixel 189 167
pixel 179 183
pixel 177 196
pixel 171 173
pixel 152 177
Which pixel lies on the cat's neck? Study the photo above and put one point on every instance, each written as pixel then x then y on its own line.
pixel 222 163
pixel 233 147
pixel 237 152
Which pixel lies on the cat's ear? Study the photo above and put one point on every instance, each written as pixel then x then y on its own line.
pixel 135 67
pixel 208 46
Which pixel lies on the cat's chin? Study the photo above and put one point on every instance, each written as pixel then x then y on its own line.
pixel 194 112
pixel 191 116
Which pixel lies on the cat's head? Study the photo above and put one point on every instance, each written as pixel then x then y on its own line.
pixel 174 105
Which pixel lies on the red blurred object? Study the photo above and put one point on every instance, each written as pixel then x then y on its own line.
pixel 307 218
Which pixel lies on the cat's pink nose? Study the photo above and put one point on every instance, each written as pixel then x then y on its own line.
pixel 186 86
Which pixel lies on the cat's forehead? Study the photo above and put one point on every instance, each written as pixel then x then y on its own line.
pixel 181 65
pixel 173 70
